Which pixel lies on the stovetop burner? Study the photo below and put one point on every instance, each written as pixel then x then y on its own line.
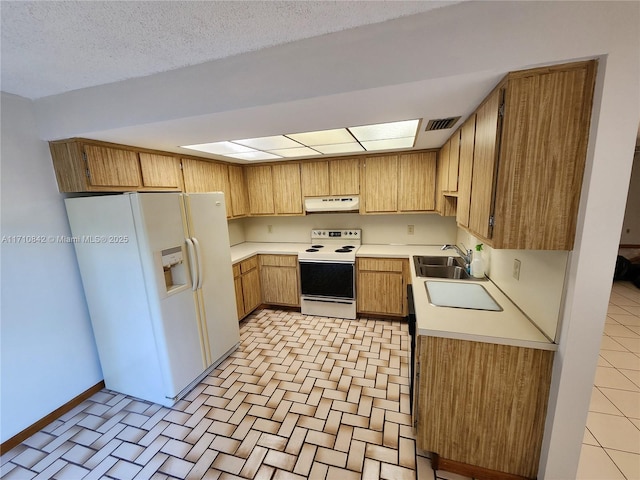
pixel 344 250
pixel 317 246
pixel 312 250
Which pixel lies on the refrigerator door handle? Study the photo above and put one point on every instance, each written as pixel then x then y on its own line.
pixel 192 264
pixel 199 258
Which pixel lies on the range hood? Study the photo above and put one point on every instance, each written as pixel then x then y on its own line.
pixel 349 203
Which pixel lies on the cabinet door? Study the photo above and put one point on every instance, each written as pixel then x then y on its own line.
pixel 344 176
pixel 287 191
pixel 417 185
pixel 260 190
pixel 443 156
pixel 381 184
pixel 112 167
pixel 542 156
pixel 484 165
pixel 467 140
pixel 237 285
pixel 381 286
pixel 467 389
pixel 238 194
pixel 315 179
pixel 161 171
pixel 203 176
pixel 279 279
pixel 454 157
pixel 251 293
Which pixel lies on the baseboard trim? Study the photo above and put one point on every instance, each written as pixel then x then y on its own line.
pixel 474 471
pixel 43 422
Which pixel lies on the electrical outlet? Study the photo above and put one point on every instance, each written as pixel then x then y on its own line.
pixel 270 228
pixel 516 269
pixel 410 229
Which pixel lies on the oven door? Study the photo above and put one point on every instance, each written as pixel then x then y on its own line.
pixel 327 279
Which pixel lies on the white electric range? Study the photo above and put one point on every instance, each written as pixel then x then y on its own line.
pixel 327 273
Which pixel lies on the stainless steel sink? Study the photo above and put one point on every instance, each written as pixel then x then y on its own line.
pixel 442 271
pixel 433 260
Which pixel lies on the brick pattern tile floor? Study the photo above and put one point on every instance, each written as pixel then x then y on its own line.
pixel 302 398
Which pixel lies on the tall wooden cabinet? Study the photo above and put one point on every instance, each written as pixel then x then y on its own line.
pixel 205 176
pixel 465 170
pixel 529 158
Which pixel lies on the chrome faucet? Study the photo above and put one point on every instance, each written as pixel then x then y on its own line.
pixel 466 256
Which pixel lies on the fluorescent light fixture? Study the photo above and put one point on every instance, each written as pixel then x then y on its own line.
pixel 389 144
pixel 380 136
pixel 255 155
pixel 339 148
pixel 219 148
pixel 323 137
pixel 382 131
pixel 269 143
pixel 296 152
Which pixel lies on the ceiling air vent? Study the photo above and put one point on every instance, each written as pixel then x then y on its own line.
pixel 441 123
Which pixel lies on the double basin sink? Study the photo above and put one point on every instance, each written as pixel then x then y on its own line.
pixel 441 267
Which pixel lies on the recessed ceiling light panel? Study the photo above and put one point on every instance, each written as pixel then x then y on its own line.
pixel 339 148
pixel 322 137
pixel 219 148
pixel 268 143
pixel 296 152
pixel 381 131
pixel 389 144
pixel 255 155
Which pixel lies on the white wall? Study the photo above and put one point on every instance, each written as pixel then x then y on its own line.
pixel 539 289
pixel 47 350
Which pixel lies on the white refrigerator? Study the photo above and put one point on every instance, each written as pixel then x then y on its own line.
pixel 156 271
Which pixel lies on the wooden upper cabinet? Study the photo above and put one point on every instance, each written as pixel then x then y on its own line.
pixel 90 166
pixel 315 179
pixel 545 132
pixel 417 183
pixel 528 162
pixel 454 156
pixel 443 158
pixel 380 184
pixel 344 176
pixel 112 167
pixel 287 190
pixel 260 189
pixel 484 165
pixel 160 171
pixel 238 187
pixel 465 170
pixel 205 176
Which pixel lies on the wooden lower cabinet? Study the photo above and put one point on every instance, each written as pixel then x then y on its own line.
pixel 279 279
pixel 382 285
pixel 246 280
pixel 481 407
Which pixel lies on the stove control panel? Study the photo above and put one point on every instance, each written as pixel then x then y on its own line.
pixel 349 234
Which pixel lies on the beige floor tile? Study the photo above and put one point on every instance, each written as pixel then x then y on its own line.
pixel 601 404
pixel 609 343
pixel 624 360
pixel 612 378
pixel 595 464
pixel 631 344
pixel 628 463
pixel 625 401
pixel 633 375
pixel 614 432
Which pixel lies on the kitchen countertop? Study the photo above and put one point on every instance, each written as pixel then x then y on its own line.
pixel 508 327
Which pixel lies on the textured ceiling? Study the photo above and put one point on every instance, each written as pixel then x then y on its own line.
pixel 51 47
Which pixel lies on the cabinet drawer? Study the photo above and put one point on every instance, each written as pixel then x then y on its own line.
pixel 279 260
pixel 248 264
pixel 381 264
pixel 236 270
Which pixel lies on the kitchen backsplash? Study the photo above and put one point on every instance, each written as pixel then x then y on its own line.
pixel 428 229
pixel 538 291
